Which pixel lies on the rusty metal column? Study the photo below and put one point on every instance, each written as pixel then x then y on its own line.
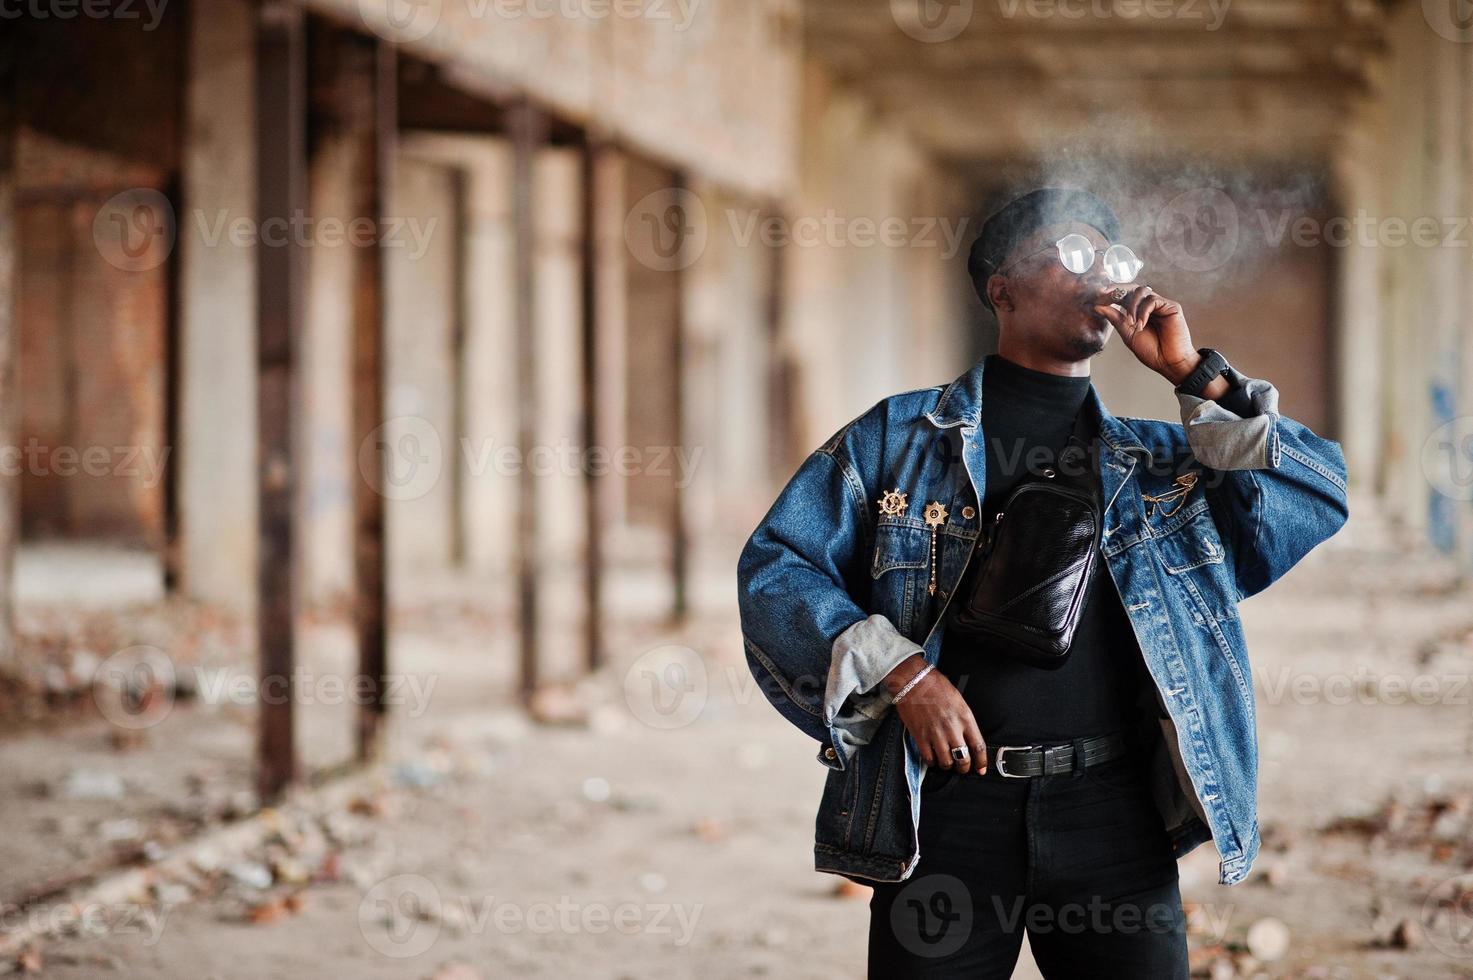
pixel 528 132
pixel 779 372
pixel 9 330
pixel 281 162
pixel 593 509
pixel 679 536
pixel 370 65
pixel 462 273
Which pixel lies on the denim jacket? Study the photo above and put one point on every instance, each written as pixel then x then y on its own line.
pixel 834 593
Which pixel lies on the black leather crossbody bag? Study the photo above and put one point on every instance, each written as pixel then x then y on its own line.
pixel 1037 559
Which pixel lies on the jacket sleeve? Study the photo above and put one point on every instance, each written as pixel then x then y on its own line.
pixel 817 655
pixel 1279 490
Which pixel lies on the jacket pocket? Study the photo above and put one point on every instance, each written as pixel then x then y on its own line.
pixel 900 544
pixel 1193 554
pixel 1192 543
pixel 899 568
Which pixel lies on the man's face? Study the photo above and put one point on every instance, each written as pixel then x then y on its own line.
pixel 1052 308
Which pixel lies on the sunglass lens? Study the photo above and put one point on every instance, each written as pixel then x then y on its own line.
pixel 1121 264
pixel 1077 253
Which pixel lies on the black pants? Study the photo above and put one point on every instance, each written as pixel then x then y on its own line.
pixel 1080 861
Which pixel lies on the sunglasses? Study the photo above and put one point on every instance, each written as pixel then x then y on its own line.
pixel 1077 254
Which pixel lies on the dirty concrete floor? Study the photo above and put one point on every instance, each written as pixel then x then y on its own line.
pixel 672 837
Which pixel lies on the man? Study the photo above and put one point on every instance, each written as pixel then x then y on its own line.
pixel 981 794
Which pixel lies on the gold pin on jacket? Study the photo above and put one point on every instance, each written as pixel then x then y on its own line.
pixel 1177 495
pixel 935 515
pixel 892 503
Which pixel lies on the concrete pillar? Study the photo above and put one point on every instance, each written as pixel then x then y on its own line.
pixel 487 372
pixel 217 291
pixel 725 452
pixel 612 355
pixel 1447 268
pixel 558 513
pixel 1358 371
pixel 1463 174
pixel 422 378
pixel 329 462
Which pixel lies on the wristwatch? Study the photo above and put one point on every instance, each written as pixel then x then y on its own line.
pixel 1212 365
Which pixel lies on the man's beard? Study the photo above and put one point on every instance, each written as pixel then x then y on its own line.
pixel 1080 346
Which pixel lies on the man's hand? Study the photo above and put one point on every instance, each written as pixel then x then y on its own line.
pixel 1155 330
pixel 937 717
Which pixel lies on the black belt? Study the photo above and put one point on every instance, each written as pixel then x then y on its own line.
pixel 1048 760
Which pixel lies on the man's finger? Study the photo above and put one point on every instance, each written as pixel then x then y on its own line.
pixel 1152 304
pixel 959 740
pixel 1111 313
pixel 973 735
pixel 941 750
pixel 1136 300
pixel 1117 320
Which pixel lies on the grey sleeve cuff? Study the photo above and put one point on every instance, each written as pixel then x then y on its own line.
pixel 1241 437
pixel 854 700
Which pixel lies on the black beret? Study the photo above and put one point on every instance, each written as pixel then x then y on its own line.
pixel 1022 216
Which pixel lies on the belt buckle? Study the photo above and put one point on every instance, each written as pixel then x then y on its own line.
pixel 1002 750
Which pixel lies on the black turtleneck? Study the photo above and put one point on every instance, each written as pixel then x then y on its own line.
pixel 1027 417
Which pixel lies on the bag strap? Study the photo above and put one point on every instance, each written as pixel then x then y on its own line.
pixel 1079 440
